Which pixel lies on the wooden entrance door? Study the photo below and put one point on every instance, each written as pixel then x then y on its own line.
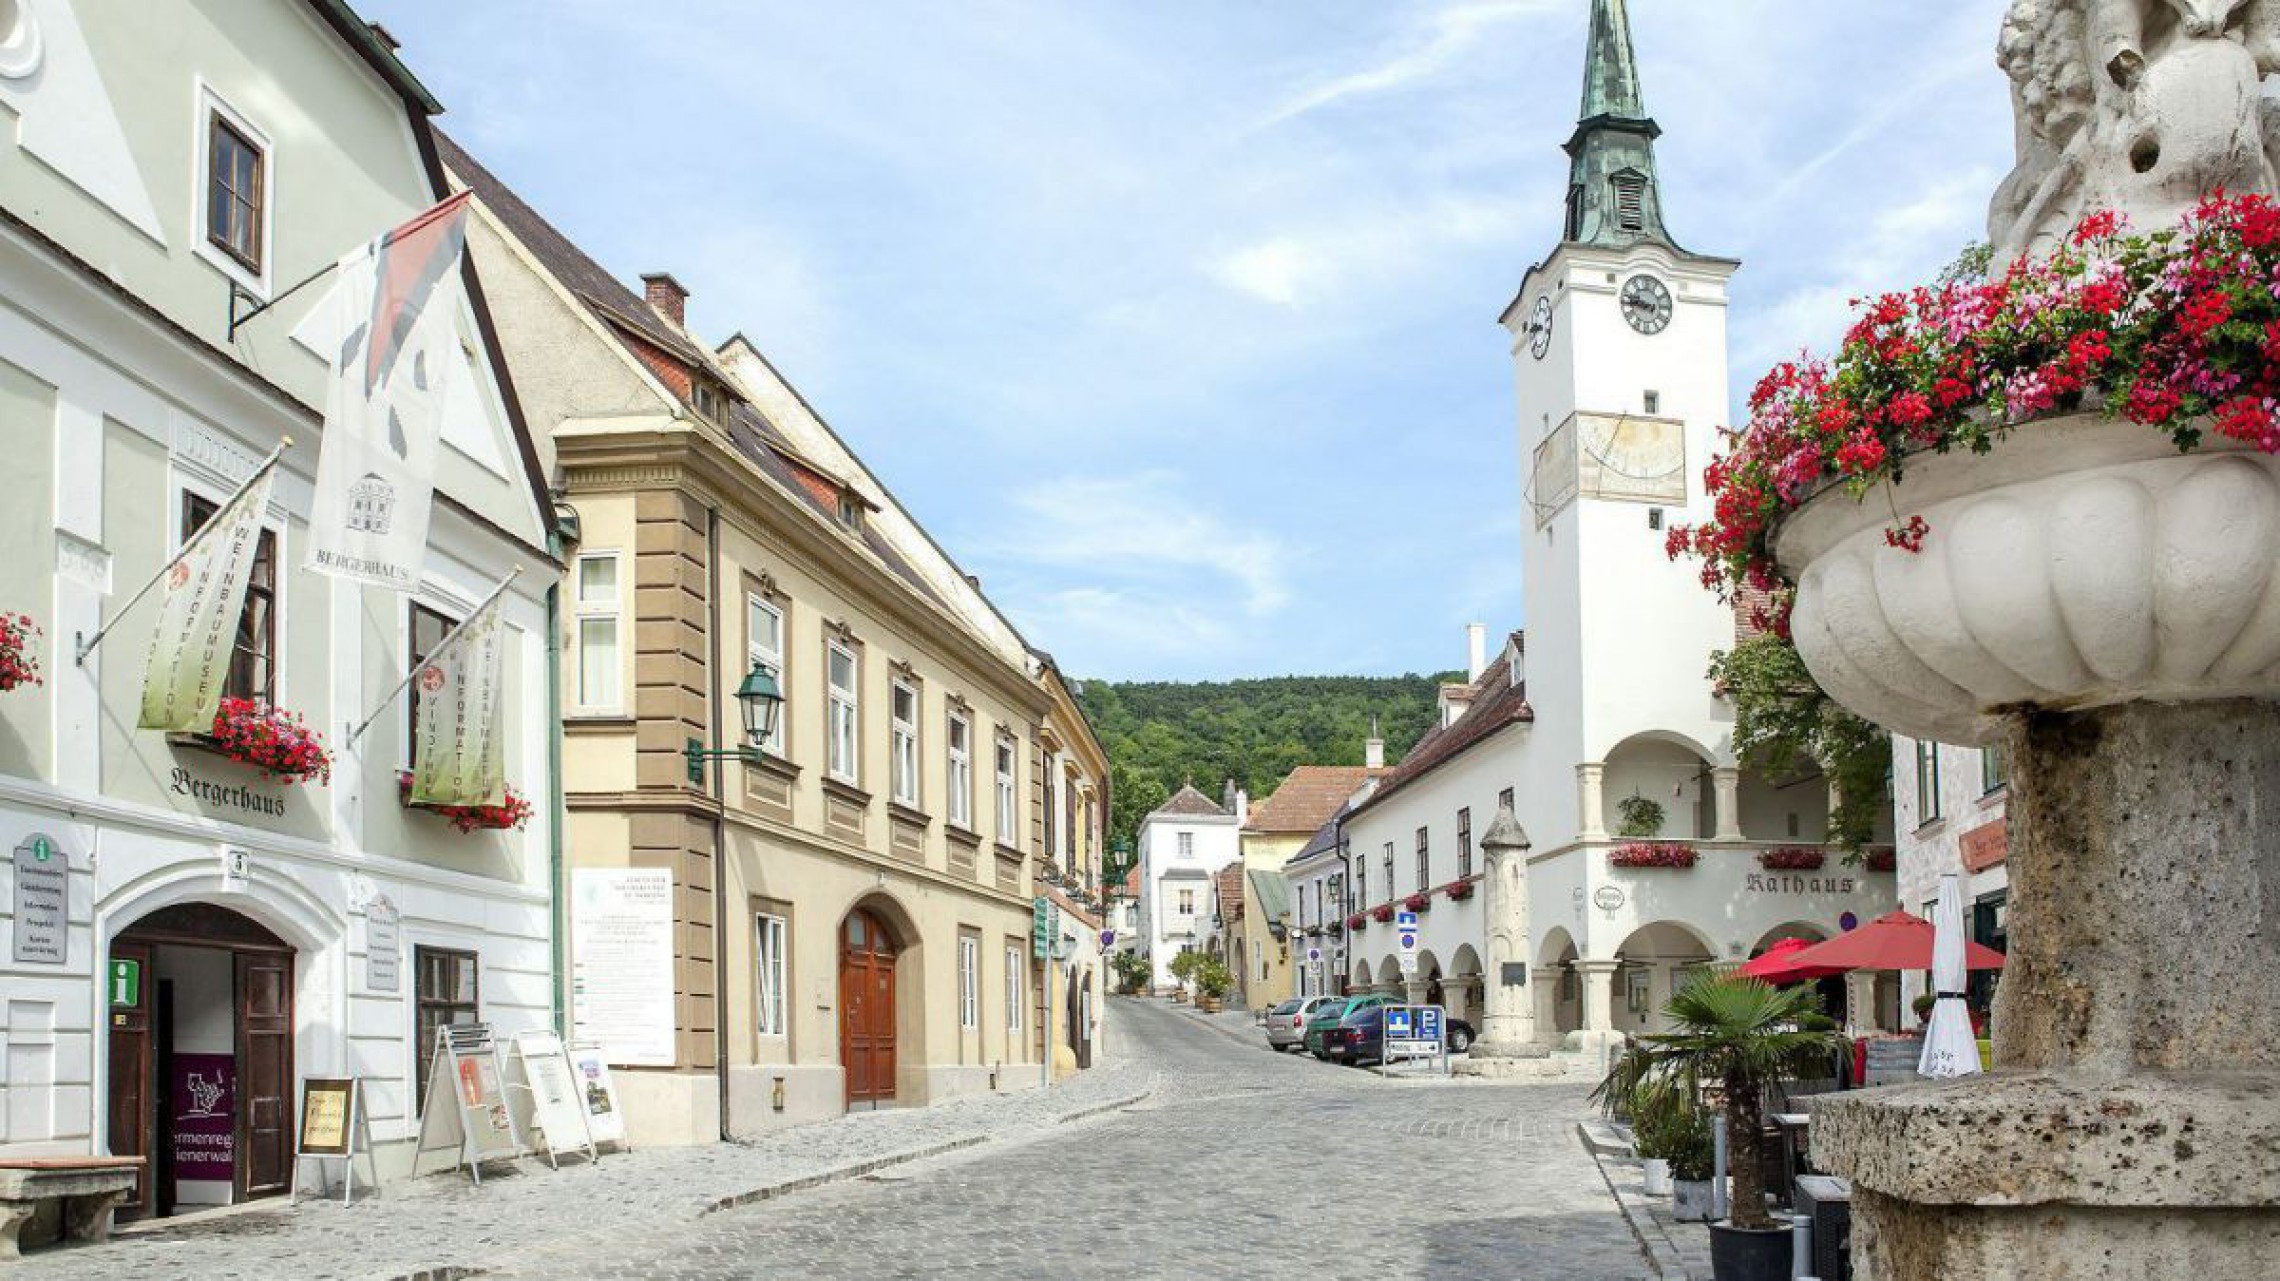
pixel 265 1073
pixel 134 1075
pixel 867 1008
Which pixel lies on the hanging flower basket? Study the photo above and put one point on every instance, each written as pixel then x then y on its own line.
pixel 1382 913
pixel 1793 858
pixel 1354 922
pixel 509 814
pixel 276 742
pixel 1459 891
pixel 19 651
pixel 1881 858
pixel 1652 854
pixel 1417 902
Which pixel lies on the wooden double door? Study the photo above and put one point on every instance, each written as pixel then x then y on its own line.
pixel 867 1008
pixel 142 1035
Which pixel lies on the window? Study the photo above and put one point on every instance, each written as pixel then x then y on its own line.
pixel 447 996
pixel 1424 863
pixel 253 667
pixel 764 647
pixel 426 631
pixel 1630 202
pixel 1187 845
pixel 1361 887
pixel 961 772
pixel 850 512
pixel 598 650
pixel 1464 843
pixel 1653 402
pixel 1504 799
pixel 903 740
pixel 1994 771
pixel 768 965
pixel 844 704
pixel 1047 806
pixel 1187 902
pixel 708 400
pixel 969 981
pixel 1259 958
pixel 1014 997
pixel 1927 782
pixel 1389 871
pixel 1008 801
pixel 235 181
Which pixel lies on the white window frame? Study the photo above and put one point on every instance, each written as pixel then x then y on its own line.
pixel 843 714
pixel 960 738
pixel 1187 844
pixel 969 982
pixel 758 650
pixel 216 488
pixel 209 105
pixel 771 936
pixel 903 743
pixel 612 612
pixel 1015 988
pixel 1186 902
pixel 1928 808
pixel 1008 765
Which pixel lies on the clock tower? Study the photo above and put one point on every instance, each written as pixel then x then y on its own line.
pixel 1620 346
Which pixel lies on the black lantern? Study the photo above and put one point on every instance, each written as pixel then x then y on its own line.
pixel 760 700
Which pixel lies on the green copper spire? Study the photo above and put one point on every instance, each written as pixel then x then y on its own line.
pixel 1614 196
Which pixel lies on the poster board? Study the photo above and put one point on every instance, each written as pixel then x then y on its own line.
pixel 466 1104
pixel 334 1127
pixel 621 963
pixel 590 1076
pixel 557 1111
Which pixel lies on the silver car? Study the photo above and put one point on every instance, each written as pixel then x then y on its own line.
pixel 1286 1023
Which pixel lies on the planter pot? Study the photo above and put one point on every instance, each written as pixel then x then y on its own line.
pixel 2082 563
pixel 1749 1254
pixel 1690 1200
pixel 1658 1176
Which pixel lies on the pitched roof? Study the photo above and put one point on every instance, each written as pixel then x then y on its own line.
pixel 1307 797
pixel 1227 883
pixel 1324 840
pixel 1132 882
pixel 1189 803
pixel 1497 701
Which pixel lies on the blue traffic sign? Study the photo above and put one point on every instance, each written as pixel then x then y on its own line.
pixel 1406 922
pixel 1429 1023
pixel 1397 1022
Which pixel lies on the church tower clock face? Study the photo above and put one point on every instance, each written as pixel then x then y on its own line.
pixel 1646 303
pixel 1540 328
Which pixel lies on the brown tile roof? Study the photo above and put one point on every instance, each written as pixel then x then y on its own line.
pixel 1189 803
pixel 1497 702
pixel 1228 885
pixel 1132 883
pixel 1307 797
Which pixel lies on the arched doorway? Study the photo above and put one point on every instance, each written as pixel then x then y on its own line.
pixel 1655 960
pixel 1466 985
pixel 201 1058
pixel 1559 991
pixel 867 953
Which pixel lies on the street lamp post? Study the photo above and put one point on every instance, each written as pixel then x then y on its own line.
pixel 761 701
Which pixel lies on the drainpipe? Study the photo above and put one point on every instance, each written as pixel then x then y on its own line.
pixel 556 874
pixel 720 821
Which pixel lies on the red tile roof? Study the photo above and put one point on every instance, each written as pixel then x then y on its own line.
pixel 1307 797
pixel 1228 884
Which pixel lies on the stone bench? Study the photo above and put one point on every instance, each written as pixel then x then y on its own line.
pixel 71 1196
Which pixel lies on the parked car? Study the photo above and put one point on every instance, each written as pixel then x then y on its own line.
pixel 1360 1037
pixel 1286 1023
pixel 1328 1016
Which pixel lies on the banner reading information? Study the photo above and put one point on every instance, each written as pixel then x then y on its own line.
pixel 387 331
pixel 458 758
pixel 198 616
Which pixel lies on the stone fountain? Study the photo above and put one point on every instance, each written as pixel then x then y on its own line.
pixel 2108 610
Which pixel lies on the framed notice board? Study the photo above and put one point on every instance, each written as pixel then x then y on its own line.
pixel 325 1107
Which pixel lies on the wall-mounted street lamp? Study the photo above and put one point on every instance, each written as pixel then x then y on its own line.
pixel 761 700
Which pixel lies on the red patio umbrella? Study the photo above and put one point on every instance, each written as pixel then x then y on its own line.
pixel 1775 964
pixel 1893 941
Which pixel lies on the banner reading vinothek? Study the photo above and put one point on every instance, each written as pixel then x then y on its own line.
pixel 198 616
pixel 457 758
pixel 389 334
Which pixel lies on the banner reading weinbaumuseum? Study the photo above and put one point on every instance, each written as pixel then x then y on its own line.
pixel 197 628
pixel 388 333
pixel 457 758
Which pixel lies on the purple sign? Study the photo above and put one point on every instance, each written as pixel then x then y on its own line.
pixel 205 1116
pixel 1107 938
pixel 1847 921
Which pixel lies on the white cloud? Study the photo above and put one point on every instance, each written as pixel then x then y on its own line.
pixel 1451 34
pixel 1270 271
pixel 1149 531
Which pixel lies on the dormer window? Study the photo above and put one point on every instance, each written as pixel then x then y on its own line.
pixel 850 512
pixel 709 400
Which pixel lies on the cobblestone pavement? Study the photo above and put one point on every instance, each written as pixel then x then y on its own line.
pixel 1240 1163
pixel 1236 1162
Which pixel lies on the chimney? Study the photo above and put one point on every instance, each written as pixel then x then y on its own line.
pixel 385 36
pixel 666 298
pixel 1476 651
pixel 1373 751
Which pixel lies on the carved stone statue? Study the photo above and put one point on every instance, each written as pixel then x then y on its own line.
pixel 2144 106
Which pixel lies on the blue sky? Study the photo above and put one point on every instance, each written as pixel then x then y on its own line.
pixel 1174 320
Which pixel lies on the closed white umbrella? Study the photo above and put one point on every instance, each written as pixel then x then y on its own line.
pixel 1949 1047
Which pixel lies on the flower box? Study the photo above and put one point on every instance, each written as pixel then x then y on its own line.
pixel 1417 902
pixel 509 814
pixel 1354 922
pixel 1652 854
pixel 276 742
pixel 1459 891
pixel 1793 858
pixel 19 651
pixel 1881 858
pixel 1382 913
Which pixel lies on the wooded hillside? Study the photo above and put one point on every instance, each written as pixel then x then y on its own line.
pixel 1160 734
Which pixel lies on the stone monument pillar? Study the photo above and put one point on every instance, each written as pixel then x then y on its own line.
pixel 2132 1125
pixel 1507 1045
pixel 1726 782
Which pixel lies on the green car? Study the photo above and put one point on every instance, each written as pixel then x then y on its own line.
pixel 1331 1014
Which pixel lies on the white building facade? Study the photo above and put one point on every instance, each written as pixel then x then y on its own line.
pixel 1948 805
pixel 1183 843
pixel 223 934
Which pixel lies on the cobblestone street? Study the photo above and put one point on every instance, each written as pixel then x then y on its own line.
pixel 1235 1162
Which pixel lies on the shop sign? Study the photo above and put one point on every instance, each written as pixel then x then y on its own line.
pixel 205 1116
pixel 1609 898
pixel 229 796
pixel 126 983
pixel 1794 883
pixel 43 902
pixel 1985 845
pixel 383 954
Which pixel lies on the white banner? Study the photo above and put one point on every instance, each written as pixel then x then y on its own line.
pixel 388 332
pixel 621 963
pixel 197 627
pixel 459 758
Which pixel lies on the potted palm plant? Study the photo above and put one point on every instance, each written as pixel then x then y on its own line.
pixel 1670 1132
pixel 1736 1036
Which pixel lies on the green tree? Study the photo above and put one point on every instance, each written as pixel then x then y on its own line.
pixel 1784 723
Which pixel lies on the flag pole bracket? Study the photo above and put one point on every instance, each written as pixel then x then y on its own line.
pixel 240 294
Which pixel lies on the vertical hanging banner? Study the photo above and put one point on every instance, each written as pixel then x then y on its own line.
pixel 198 615
pixel 389 336
pixel 458 758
